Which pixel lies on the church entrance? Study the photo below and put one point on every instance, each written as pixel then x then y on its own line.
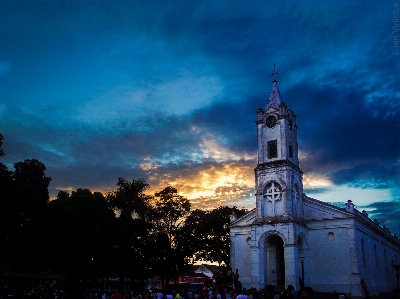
pixel 275 261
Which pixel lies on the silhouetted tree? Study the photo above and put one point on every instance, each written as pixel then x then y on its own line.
pixel 23 207
pixel 81 235
pixel 170 210
pixel 193 236
pixel 132 204
pixel 207 232
pixel 87 235
pixel 130 199
pixel 8 213
pixel 31 189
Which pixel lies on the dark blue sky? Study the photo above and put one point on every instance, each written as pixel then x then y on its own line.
pixel 168 90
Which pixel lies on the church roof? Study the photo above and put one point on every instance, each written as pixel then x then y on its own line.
pixel 246 219
pixel 275 97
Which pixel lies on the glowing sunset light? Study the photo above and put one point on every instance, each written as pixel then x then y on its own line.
pixel 210 186
pixel 311 181
pixel 211 148
pixel 149 166
pixel 169 94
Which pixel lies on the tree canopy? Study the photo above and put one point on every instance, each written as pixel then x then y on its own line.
pixel 24 199
pixel 87 235
pixel 207 233
pixel 130 199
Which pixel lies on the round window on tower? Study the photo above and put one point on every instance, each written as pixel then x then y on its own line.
pixel 273 191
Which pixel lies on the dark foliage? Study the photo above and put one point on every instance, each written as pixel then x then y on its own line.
pixel 88 236
pixel 208 233
pixel 24 199
pixel 130 254
pixel 169 209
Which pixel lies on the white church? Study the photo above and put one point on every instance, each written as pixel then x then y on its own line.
pixel 289 236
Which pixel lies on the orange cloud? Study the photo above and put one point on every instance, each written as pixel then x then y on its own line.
pixel 313 181
pixel 210 186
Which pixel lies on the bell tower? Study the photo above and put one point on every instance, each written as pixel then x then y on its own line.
pixel 279 179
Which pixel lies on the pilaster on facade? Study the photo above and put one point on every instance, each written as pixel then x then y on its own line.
pixel 232 249
pixel 257 273
pixel 292 269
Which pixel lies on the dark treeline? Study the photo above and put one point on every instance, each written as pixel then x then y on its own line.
pixel 85 235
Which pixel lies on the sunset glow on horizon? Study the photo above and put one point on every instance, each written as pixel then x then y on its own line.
pixel 97 90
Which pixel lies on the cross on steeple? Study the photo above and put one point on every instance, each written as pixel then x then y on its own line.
pixel 274 73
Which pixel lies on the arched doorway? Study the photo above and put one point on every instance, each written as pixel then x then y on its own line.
pixel 275 261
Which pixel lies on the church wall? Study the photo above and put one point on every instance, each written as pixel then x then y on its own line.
pixel 345 250
pixel 241 253
pixel 328 260
pixel 375 256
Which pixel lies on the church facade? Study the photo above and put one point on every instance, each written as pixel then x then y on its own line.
pixel 290 238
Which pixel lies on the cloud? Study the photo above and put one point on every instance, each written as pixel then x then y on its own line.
pixel 209 184
pixel 179 95
pixel 313 182
pixel 370 175
pixel 332 129
pixel 104 89
pixel 386 213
